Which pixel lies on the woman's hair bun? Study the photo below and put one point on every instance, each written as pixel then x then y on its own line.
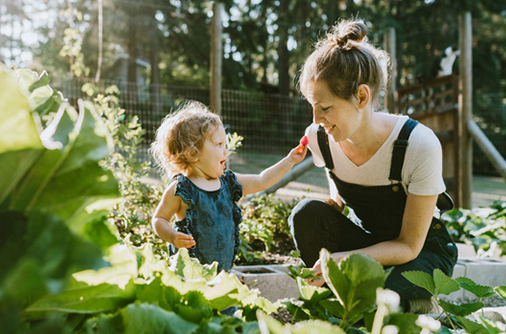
pixel 346 31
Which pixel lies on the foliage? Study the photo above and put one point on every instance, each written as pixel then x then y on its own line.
pixel 484 228
pixel 138 293
pixel 132 216
pixel 440 284
pixel 265 227
pixel 54 196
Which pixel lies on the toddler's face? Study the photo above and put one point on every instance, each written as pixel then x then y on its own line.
pixel 211 163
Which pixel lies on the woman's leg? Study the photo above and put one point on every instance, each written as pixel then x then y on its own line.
pixel 315 225
pixel 439 252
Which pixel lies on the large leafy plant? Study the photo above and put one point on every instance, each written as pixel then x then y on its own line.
pixel 440 284
pixel 484 228
pixel 54 197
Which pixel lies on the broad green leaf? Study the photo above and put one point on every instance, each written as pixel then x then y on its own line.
pixel 360 267
pixel 405 322
pixel 20 144
pixel 42 80
pixel 191 268
pixel 25 283
pixel 480 291
pixel 472 327
pixel 421 279
pixel 501 291
pixel 123 268
pixel 90 299
pixel 311 293
pixel 105 324
pixel 335 278
pixel 151 319
pixel 270 325
pixel 444 284
pixel 194 308
pixel 492 326
pixel 334 307
pixel 78 166
pixel 227 292
pixel 461 310
pixel 46 240
pixel 315 326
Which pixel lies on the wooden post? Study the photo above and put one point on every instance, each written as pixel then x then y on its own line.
pixel 216 58
pixel 465 109
pixel 389 45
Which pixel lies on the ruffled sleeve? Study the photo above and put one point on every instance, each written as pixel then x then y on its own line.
pixel 234 185
pixel 183 189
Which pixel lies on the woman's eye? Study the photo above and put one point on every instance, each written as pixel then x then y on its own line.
pixel 325 109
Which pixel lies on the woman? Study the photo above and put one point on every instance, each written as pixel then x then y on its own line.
pixel 387 169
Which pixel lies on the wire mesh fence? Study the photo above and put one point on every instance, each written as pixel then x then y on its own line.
pixel 271 124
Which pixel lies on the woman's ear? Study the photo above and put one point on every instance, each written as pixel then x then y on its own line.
pixel 363 95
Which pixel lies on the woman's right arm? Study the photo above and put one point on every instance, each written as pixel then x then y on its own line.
pixel 170 205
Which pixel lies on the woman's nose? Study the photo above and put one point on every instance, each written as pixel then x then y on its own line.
pixel 316 116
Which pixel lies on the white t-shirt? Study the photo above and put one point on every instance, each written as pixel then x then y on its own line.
pixel 421 172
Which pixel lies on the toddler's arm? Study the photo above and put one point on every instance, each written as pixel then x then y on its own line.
pixel 170 205
pixel 268 177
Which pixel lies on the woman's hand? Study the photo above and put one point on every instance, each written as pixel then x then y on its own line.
pixel 182 240
pixel 317 271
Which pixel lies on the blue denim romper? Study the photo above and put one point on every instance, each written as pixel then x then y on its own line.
pixel 212 218
pixel 381 209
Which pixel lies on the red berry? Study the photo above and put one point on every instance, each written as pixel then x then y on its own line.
pixel 304 141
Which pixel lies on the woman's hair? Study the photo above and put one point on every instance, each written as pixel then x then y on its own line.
pixel 181 136
pixel 344 60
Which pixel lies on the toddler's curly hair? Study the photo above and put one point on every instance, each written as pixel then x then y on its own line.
pixel 181 136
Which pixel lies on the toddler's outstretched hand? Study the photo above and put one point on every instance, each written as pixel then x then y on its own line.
pixel 182 240
pixel 299 153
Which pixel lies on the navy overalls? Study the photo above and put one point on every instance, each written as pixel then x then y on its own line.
pixel 315 224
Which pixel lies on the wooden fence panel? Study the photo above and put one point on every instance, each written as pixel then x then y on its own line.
pixel 435 104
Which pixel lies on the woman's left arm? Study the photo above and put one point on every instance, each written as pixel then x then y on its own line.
pixel 416 222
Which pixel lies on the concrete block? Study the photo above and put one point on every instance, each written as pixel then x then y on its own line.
pixel 271 280
pixel 485 271
pixel 458 271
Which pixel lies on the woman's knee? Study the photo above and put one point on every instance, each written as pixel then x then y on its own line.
pixel 306 211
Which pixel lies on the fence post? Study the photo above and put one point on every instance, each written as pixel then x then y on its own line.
pixel 389 45
pixel 216 58
pixel 465 109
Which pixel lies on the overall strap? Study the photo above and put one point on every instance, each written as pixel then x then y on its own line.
pixel 323 143
pixel 399 150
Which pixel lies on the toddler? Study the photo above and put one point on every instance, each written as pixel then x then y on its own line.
pixel 191 145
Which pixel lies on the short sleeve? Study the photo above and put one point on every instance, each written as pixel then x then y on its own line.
pixel 424 163
pixel 234 185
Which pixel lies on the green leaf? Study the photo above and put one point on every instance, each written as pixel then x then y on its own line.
pixel 123 269
pixel 335 278
pixel 405 322
pixel 460 310
pixel 20 144
pixel 270 325
pixel 194 307
pixel 360 267
pixel 501 291
pixel 105 324
pixel 444 284
pixel 90 299
pixel 421 279
pixel 311 293
pixel 472 327
pixel 151 319
pixel 43 80
pixel 480 291
pixel 315 326
pixel 191 268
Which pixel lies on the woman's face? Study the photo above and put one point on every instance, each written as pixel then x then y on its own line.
pixel 340 118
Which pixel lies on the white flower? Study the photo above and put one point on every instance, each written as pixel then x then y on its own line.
pixel 427 322
pixel 388 298
pixel 390 329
